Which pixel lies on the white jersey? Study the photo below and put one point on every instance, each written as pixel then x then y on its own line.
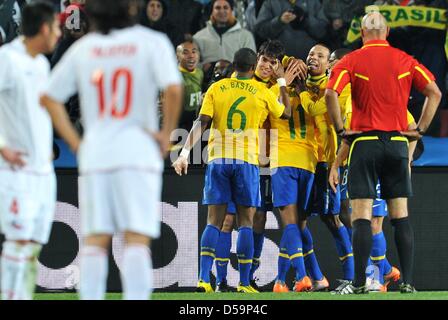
pixel 118 77
pixel 24 123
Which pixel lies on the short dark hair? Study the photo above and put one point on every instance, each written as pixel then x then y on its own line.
pixel 273 49
pixel 34 15
pixel 340 53
pixel 244 60
pixel 106 15
pixel 325 46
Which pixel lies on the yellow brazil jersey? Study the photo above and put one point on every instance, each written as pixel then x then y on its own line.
pixel 237 107
pixel 325 133
pixel 293 142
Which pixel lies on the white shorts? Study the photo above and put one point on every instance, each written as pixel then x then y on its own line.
pixel 121 200
pixel 27 205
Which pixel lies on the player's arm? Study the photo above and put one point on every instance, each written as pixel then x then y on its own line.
pixel 199 126
pixel 424 81
pixel 61 122
pixel 432 101
pixel 171 109
pixel 264 144
pixel 13 157
pixel 413 143
pixel 342 155
pixel 279 74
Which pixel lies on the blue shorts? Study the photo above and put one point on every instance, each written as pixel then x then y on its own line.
pixel 343 183
pixel 266 197
pixel 229 180
pixel 323 199
pixel 291 186
pixel 379 208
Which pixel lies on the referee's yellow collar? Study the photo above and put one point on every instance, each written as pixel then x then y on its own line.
pixel 376 43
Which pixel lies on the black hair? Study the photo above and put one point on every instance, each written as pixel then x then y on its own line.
pixel 326 47
pixel 244 60
pixel 36 14
pixel 272 49
pixel 106 15
pixel 340 53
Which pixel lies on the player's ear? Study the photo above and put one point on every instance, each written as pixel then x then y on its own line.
pixel 387 33
pixel 45 29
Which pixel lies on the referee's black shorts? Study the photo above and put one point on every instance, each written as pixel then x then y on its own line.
pixel 378 156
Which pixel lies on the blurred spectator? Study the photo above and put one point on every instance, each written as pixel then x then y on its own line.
pixel 299 25
pixel 222 36
pixel 340 14
pixel 252 11
pixel 428 46
pixel 223 69
pixel 185 15
pixel 10 17
pixel 154 16
pixel 188 57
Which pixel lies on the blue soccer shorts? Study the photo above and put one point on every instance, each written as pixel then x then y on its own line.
pixel 230 180
pixel 291 186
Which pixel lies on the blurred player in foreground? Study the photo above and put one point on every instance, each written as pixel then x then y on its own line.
pixel 27 179
pixel 118 70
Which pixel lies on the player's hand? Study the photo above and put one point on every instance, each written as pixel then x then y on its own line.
pixel 163 140
pixel 292 71
pixel 412 135
pixel 278 70
pixel 300 66
pixel 263 161
pixel 13 157
pixel 333 178
pixel 349 133
pixel 181 165
pixel 287 17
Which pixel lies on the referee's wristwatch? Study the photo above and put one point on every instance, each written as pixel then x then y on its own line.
pixel 420 131
pixel 341 132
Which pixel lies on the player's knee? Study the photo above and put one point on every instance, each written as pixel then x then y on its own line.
pixel 136 238
pixel 98 240
pixel 377 225
pixel 332 222
pixel 259 222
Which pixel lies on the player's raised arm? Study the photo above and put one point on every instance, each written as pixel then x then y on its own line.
pixel 279 73
pixel 61 122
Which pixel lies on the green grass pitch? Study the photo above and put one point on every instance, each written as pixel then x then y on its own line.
pixel 426 295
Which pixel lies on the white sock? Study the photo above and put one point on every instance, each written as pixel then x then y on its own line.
pixel 13 265
pixel 93 273
pixel 29 281
pixel 136 273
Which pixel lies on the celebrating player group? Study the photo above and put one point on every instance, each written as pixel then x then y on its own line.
pixel 359 103
pixel 303 122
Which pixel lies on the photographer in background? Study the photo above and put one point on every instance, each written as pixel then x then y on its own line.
pixel 299 25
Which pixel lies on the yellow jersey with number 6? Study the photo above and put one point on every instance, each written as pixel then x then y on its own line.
pixel 237 106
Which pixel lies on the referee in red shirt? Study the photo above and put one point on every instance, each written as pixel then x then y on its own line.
pixel 381 78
